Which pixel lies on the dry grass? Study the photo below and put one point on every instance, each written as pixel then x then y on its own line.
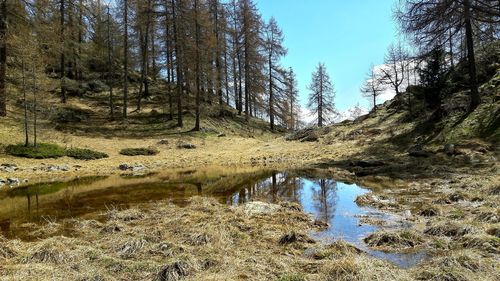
pixel 459 266
pixel 202 241
pixel 395 240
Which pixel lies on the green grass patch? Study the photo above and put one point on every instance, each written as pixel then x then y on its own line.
pixel 147 151
pixel 41 151
pixel 85 154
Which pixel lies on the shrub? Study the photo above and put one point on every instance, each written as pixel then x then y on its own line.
pixel 41 151
pixel 147 151
pixel 85 154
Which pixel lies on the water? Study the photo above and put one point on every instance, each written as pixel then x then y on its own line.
pixel 324 198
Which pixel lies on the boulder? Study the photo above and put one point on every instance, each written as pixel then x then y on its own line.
pixel 8 168
pixel 58 168
pixel 449 149
pixel 260 208
pixel 134 168
pixel 303 135
pixel 124 167
pixel 13 181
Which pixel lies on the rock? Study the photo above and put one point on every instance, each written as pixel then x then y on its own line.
pixel 449 149
pixel 303 135
pixel 56 168
pixel 260 208
pixel 221 135
pixel 407 214
pixel 124 167
pixel 13 181
pixel 312 137
pixel 3 182
pixel 134 168
pixel 185 145
pixel 163 142
pixel 138 168
pixel 8 168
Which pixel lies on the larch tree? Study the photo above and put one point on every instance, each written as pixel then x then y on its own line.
pixel 322 96
pixel 433 23
pixel 394 70
pixel 125 58
pixel 275 51
pixel 292 101
pixel 3 57
pixel 372 87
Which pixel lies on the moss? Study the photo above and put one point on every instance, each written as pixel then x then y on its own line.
pixel 41 151
pixel 85 154
pixel 147 151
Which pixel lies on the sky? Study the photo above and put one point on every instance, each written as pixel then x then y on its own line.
pixel 347 35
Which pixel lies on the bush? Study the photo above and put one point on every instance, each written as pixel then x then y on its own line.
pixel 41 151
pixel 85 154
pixel 139 151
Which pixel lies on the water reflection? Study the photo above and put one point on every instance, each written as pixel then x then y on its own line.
pixel 329 201
pixel 324 198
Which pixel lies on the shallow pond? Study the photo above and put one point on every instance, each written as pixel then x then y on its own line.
pixel 326 199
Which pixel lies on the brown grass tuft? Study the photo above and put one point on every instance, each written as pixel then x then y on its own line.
pixel 449 229
pixel 394 240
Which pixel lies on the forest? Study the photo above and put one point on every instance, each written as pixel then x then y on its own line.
pixel 188 140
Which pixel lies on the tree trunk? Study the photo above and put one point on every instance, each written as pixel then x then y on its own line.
pixel 475 100
pixel 178 56
pixel 110 68
pixel 197 53
pixel 3 57
pixel 271 106
pixel 25 103
pixel 35 143
pixel 125 61
pixel 62 59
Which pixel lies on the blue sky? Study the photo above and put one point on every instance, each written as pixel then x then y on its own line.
pixel 347 35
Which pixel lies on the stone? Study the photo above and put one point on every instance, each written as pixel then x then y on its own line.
pixel 304 135
pixel 138 168
pixel 449 149
pixel 185 145
pixel 260 208
pixel 124 167
pixel 221 135
pixel 8 168
pixel 56 168
pixel 13 181
pixel 163 142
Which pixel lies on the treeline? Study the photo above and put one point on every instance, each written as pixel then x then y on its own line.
pixel 220 53
pixel 441 50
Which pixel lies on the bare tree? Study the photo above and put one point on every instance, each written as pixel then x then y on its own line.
pixel 3 57
pixel 125 58
pixel 275 51
pixel 433 23
pixel 373 87
pixel 394 71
